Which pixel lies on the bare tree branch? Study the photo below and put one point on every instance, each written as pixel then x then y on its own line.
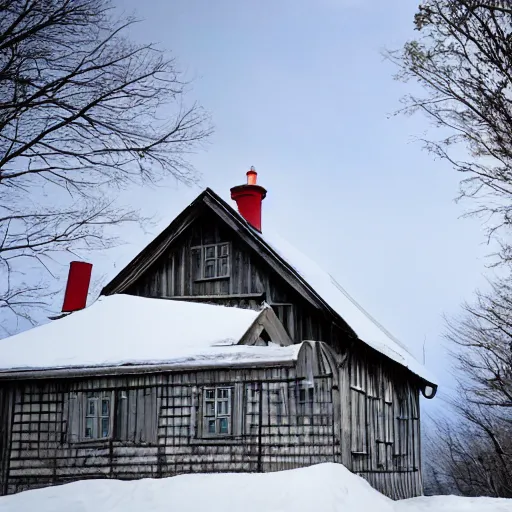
pixel 84 112
pixel 463 60
pixel 472 453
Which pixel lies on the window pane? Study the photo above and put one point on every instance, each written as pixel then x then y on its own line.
pixel 89 424
pixel 222 408
pixel 223 250
pixel 210 409
pixel 211 426
pixel 223 426
pixel 222 393
pixel 209 268
pixel 91 407
pixel 210 394
pixel 105 407
pixel 222 267
pixel 209 252
pixel 104 427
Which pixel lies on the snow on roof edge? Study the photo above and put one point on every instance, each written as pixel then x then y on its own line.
pixel 124 331
pixel 286 359
pixel 396 354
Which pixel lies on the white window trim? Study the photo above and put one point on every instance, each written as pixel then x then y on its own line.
pixel 204 418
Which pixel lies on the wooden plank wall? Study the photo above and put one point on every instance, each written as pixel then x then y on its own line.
pixel 41 453
pixel 272 436
pixel 5 434
pixel 384 427
pixel 277 432
pixel 281 428
pixel 250 282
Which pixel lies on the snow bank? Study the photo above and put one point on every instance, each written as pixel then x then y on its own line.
pixel 123 329
pixel 321 488
pixel 453 504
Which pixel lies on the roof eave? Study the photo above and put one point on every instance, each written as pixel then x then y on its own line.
pixel 75 372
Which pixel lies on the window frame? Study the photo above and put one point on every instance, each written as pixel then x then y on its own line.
pixel 97 417
pixel 218 256
pixel 206 419
pixel 305 399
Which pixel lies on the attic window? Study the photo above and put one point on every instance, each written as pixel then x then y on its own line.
pixel 215 261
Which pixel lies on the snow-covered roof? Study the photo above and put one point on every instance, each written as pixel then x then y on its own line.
pixel 336 297
pixel 127 330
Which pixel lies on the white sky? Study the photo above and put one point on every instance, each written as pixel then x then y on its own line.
pixel 299 89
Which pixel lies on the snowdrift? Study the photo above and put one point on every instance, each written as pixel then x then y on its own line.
pixel 321 488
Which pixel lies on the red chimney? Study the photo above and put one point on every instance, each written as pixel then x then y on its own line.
pixel 77 288
pixel 248 199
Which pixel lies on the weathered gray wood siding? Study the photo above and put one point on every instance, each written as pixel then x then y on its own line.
pixel 277 432
pixel 6 402
pixel 42 453
pixel 250 282
pixel 378 437
pixel 384 426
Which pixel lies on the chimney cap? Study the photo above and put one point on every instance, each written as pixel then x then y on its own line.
pixel 252 176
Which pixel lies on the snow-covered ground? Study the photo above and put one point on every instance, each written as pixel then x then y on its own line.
pixel 321 488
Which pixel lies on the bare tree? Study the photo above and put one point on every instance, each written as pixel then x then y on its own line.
pixel 483 341
pixel 472 453
pixel 84 112
pixel 463 61
pixel 461 459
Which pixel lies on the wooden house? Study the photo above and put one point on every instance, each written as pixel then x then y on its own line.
pixel 218 348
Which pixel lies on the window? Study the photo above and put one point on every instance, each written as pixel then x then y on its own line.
pixel 358 407
pixel 217 408
pixel 388 412
pixel 215 261
pixel 281 404
pixel 90 415
pixel 97 415
pixel 306 395
pixel 305 401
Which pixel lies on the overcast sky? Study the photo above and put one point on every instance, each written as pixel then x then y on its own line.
pixel 299 89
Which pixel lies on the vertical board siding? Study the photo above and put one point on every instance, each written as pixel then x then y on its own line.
pixel 273 432
pixel 6 402
pixel 157 427
pixel 177 273
pixel 42 452
pixel 384 427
